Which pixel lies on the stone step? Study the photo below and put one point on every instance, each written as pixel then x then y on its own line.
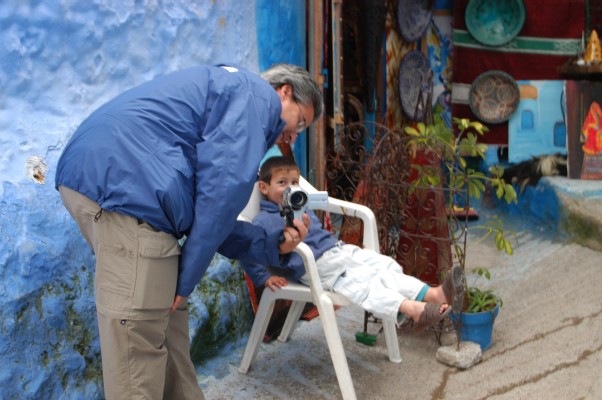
pixel 573 207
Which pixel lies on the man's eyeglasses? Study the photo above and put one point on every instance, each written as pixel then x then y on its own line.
pixel 303 123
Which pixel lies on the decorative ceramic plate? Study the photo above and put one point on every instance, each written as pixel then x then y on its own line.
pixel 413 17
pixel 494 96
pixel 494 22
pixel 414 83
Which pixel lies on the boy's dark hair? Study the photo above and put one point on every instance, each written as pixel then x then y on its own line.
pixel 274 164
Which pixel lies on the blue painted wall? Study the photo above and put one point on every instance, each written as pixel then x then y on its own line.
pixel 59 60
pixel 281 30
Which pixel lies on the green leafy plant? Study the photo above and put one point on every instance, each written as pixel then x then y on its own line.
pixel 457 177
pixel 479 300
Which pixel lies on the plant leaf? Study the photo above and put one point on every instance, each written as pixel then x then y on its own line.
pixel 410 130
pixel 510 194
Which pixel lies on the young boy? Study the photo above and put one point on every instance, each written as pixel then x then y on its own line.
pixel 368 279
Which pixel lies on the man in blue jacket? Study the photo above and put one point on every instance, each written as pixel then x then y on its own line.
pixel 173 157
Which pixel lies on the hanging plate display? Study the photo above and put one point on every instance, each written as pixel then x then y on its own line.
pixel 413 17
pixel 494 22
pixel 494 96
pixel 414 84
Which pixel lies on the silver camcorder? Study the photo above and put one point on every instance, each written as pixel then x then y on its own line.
pixel 295 200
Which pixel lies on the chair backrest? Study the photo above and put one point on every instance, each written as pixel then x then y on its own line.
pixel 253 205
pixel 370 232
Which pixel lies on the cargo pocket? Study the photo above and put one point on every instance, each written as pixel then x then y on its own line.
pixel 353 287
pixel 115 272
pixel 157 271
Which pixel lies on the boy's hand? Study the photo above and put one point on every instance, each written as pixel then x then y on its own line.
pixel 274 282
pixel 294 235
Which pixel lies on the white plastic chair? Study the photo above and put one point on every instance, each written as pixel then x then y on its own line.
pixel 324 300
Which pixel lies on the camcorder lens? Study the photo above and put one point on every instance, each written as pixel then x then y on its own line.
pixel 298 199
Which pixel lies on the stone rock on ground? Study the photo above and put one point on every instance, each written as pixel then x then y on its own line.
pixel 466 356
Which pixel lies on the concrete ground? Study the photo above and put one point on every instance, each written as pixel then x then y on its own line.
pixel 547 341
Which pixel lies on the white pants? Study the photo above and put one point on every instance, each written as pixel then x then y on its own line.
pixel 368 279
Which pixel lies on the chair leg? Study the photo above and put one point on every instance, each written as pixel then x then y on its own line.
pixel 260 325
pixel 392 341
pixel 335 345
pixel 292 318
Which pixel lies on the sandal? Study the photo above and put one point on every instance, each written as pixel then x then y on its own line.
pixel 454 286
pixel 430 316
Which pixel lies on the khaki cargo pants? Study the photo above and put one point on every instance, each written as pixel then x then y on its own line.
pixel 145 349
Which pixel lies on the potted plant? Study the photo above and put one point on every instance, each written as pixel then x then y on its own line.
pixel 475 322
pixel 462 182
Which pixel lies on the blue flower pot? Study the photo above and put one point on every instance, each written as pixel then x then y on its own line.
pixel 477 327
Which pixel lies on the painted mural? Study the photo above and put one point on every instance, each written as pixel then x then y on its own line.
pixel 538 126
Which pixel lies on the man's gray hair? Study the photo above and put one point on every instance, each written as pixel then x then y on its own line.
pixel 305 89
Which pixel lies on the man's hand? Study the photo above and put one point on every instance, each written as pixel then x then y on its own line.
pixel 178 302
pixel 294 235
pixel 274 282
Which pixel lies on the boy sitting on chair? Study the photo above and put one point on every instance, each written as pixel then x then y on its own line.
pixel 365 277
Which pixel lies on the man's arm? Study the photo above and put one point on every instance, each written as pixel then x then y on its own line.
pixel 258 243
pixel 227 159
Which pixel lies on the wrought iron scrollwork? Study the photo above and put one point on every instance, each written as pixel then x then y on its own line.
pixel 372 165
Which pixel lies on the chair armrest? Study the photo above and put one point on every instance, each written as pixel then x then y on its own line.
pixel 343 207
pixel 310 268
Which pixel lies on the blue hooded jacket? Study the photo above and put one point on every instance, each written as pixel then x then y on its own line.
pixel 181 152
